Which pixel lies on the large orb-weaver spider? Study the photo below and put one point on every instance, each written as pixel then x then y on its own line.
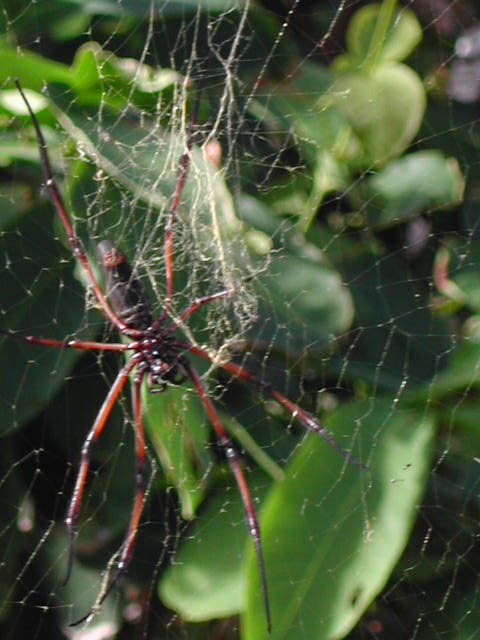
pixel 157 356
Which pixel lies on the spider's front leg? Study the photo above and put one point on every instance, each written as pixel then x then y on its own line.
pixel 181 178
pixel 73 240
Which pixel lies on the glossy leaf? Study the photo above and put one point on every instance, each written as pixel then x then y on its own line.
pixel 176 424
pixel 384 108
pixel 36 279
pixel 333 533
pixel 462 371
pixel 143 7
pixel 407 348
pixel 302 299
pixel 207 577
pixel 412 184
pixel 403 34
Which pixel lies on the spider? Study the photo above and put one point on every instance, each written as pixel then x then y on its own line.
pixel 156 356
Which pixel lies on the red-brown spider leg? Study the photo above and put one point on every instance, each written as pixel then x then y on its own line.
pixel 249 511
pixel 181 177
pixel 305 418
pixel 73 240
pixel 197 304
pixel 71 344
pixel 172 210
pixel 92 437
pixel 129 542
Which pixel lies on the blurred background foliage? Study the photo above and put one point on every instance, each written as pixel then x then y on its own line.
pixel 351 166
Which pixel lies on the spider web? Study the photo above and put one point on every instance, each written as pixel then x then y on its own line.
pixel 333 187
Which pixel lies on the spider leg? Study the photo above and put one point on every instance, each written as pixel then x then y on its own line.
pixel 172 210
pixel 186 313
pixel 305 418
pixel 233 461
pixel 70 344
pixel 129 542
pixel 92 437
pixel 73 239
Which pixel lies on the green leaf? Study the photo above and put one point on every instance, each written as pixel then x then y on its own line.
pixel 70 25
pixel 334 534
pixel 461 372
pixel 144 7
pixel 468 282
pixel 395 326
pixel 293 106
pixel 301 305
pixel 410 185
pixel 98 77
pixel 385 109
pixel 37 279
pixel 176 424
pixel 207 578
pixel 302 299
pixel 311 294
pixel 11 100
pixel 32 70
pixel 404 33
pixel 329 175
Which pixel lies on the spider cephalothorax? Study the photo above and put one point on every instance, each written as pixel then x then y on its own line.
pixel 156 355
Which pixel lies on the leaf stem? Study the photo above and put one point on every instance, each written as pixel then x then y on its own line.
pixel 384 21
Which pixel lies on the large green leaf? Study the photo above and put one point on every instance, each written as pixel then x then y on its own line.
pixel 30 69
pixel 396 339
pixel 402 33
pixel 334 534
pixel 176 424
pixel 412 184
pixel 207 578
pixel 461 372
pixel 385 109
pixel 37 285
pixel 144 7
pixel 303 301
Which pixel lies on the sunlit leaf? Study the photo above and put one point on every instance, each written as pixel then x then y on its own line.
pixel 385 109
pixel 207 577
pixel 403 34
pixel 341 530
pixel 176 424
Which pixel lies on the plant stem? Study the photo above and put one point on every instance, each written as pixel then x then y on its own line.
pixel 384 21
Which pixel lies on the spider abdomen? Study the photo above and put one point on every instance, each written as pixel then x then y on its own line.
pixel 124 291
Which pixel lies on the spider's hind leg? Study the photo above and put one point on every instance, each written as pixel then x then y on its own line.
pixel 92 437
pixel 140 467
pixel 234 463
